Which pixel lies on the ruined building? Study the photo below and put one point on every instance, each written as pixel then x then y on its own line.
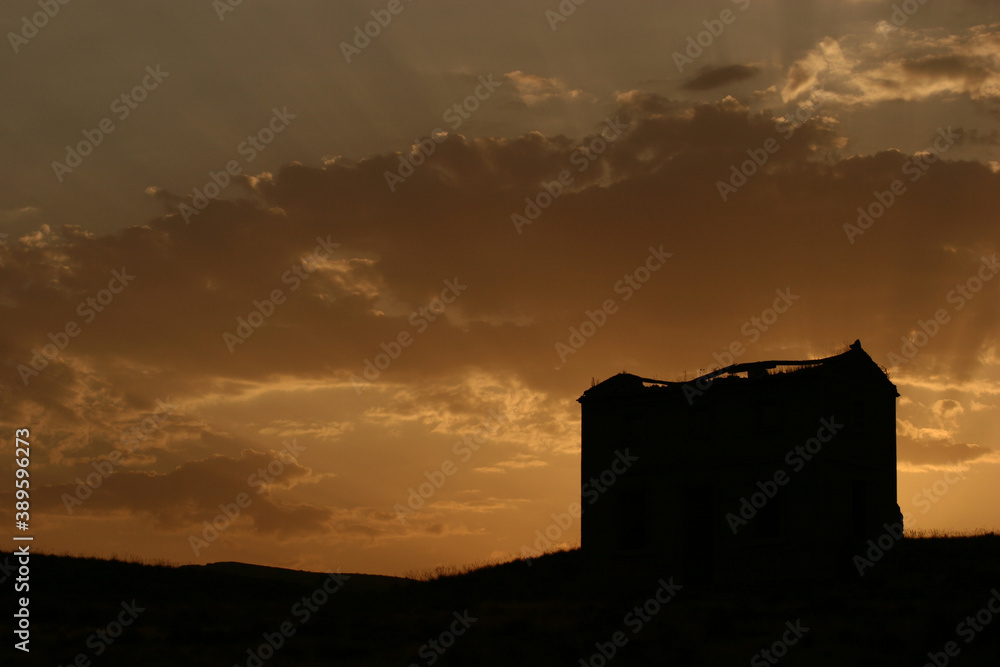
pixel 756 471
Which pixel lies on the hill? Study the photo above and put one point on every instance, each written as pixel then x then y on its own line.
pixel 548 611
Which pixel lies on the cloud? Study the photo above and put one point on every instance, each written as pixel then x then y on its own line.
pixel 533 89
pixel 947 410
pixel 520 462
pixel 192 493
pixel 919 65
pixel 978 137
pixel 827 59
pixel 925 447
pixel 11 216
pixel 716 77
pixel 483 505
pixel 928 453
pixel 977 387
pixel 316 430
pixel 963 69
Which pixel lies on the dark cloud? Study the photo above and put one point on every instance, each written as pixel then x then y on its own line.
pixel 924 452
pixel 973 70
pixel 192 493
pixel 716 77
pixel 978 137
pixel 451 220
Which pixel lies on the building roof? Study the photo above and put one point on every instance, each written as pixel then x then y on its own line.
pixel 854 361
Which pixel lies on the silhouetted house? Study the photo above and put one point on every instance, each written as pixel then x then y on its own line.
pixel 773 469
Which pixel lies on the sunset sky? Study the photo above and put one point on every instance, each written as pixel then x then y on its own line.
pixel 228 232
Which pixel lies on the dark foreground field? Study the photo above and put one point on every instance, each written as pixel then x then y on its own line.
pixel 934 598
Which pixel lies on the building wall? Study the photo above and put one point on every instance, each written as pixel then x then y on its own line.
pixel 697 462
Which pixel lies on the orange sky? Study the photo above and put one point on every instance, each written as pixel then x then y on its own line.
pixel 354 303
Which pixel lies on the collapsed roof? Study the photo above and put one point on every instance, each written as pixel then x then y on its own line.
pixel 754 371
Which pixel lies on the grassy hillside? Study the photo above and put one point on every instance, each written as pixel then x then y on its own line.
pixel 550 612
